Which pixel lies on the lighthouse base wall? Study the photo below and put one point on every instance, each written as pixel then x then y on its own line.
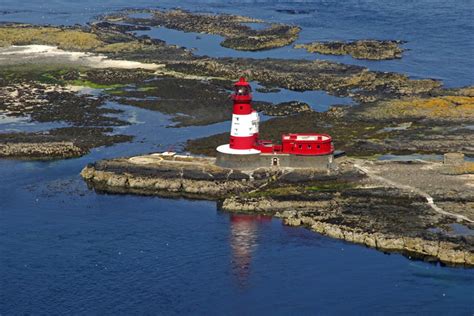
pixel 246 162
pixel 242 162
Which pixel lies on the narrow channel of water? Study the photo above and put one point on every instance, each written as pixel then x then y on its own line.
pixel 318 100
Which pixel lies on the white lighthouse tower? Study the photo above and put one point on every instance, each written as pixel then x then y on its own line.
pixel 244 130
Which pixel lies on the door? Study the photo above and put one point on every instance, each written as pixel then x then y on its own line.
pixel 275 161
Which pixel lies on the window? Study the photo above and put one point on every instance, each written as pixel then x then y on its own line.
pixel 318 146
pixel 242 90
pixel 309 146
pixel 300 146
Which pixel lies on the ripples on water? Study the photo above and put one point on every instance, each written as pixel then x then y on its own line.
pixel 67 250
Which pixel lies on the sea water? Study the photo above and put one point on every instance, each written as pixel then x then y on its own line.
pixel 65 249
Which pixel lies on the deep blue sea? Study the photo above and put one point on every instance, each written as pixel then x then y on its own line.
pixel 66 250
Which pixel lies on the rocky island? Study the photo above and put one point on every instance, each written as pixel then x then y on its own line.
pixel 361 49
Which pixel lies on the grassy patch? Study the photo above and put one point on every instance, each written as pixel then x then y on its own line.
pixel 69 39
pixel 146 89
pixel 461 107
pixel 466 168
pixel 49 78
pixel 292 190
pixel 121 47
pixel 52 74
pixel 279 191
pixel 116 91
pixel 331 186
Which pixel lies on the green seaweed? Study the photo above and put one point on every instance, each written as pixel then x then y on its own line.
pixel 330 186
pixel 116 91
pixel 49 78
pixel 93 85
pixel 146 89
pixel 278 191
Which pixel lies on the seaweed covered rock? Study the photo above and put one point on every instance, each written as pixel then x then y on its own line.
pixel 237 35
pixel 282 109
pixel 361 49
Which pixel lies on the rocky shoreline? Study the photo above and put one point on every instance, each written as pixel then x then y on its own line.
pixel 49 150
pixel 345 203
pixel 59 143
pixel 443 251
pixel 155 174
pixel 87 121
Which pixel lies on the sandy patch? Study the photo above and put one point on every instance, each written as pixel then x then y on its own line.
pixel 44 54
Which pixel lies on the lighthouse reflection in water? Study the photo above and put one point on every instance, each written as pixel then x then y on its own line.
pixel 244 241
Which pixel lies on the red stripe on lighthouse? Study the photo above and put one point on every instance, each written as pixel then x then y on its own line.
pixel 247 142
pixel 242 108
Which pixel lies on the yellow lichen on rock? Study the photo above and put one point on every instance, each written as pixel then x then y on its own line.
pixel 63 38
pixel 449 107
pixel 466 168
pixel 121 47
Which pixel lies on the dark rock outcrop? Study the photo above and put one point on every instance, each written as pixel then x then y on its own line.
pixel 362 49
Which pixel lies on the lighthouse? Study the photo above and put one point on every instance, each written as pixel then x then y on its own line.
pixel 246 151
pixel 244 129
